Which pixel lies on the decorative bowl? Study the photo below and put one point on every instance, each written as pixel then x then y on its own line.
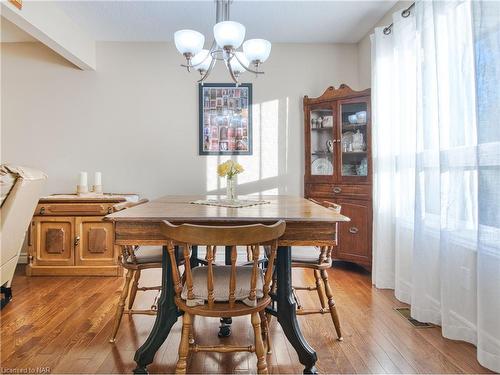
pixel 361 117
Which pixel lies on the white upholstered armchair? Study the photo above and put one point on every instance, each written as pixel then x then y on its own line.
pixel 20 190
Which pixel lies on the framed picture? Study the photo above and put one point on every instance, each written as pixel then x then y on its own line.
pixel 225 119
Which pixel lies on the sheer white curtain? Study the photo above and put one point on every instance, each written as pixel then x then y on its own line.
pixel 487 57
pixel 437 168
pixel 393 103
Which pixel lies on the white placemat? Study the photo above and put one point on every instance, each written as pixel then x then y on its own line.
pixel 238 203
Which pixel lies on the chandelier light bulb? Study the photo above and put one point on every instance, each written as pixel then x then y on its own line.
pixel 236 65
pixel 257 50
pixel 189 42
pixel 229 34
pixel 201 61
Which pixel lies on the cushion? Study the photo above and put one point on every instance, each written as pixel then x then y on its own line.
pixel 222 275
pixel 305 254
pixel 23 172
pixel 7 181
pixel 147 254
pixel 10 173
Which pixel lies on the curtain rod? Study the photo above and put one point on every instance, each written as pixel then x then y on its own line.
pixel 405 13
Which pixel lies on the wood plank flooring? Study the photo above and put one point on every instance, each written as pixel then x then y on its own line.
pixel 63 324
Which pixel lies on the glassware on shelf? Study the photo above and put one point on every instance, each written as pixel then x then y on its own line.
pixel 362 168
pixel 322 122
pixel 358 143
pixel 347 141
pixel 353 141
pixel 329 146
pixel 327 121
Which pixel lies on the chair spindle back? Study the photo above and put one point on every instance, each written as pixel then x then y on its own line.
pixel 253 236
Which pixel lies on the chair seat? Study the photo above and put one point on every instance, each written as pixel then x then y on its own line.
pixel 147 254
pixel 222 275
pixel 305 254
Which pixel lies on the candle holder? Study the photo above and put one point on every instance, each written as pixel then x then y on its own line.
pixel 82 189
pixel 97 189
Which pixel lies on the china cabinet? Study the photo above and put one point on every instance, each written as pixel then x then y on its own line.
pixel 338 164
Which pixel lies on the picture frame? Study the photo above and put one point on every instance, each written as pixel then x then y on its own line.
pixel 225 119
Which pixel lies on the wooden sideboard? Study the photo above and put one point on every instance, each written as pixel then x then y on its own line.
pixel 68 236
pixel 338 166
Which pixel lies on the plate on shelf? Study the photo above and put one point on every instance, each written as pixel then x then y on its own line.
pixel 322 166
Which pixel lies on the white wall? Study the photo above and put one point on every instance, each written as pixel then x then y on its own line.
pixel 364 45
pixel 136 117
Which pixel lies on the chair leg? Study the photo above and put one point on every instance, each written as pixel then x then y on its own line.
pixel 249 254
pixel 320 289
pixel 274 289
pixel 260 351
pixel 331 304
pixel 265 331
pixel 181 366
pixel 121 305
pixel 133 289
pixel 191 332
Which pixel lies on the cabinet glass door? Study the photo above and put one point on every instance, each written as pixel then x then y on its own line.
pixel 322 141
pixel 354 139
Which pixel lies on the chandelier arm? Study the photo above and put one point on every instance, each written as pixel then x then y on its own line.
pixel 233 76
pixel 246 68
pixel 209 70
pixel 189 65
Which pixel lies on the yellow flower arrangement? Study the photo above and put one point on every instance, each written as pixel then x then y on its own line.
pixel 229 169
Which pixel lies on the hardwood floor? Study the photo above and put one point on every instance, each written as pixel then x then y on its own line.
pixel 63 324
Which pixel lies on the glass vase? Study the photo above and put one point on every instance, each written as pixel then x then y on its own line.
pixel 231 188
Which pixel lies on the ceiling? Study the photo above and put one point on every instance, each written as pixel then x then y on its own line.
pixel 278 21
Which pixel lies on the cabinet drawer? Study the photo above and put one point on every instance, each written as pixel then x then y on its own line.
pixel 78 209
pixel 338 190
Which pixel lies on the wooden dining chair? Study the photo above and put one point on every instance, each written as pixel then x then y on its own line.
pixel 223 290
pixel 319 259
pixel 135 259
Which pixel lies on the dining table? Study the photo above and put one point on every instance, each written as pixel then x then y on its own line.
pixel 307 224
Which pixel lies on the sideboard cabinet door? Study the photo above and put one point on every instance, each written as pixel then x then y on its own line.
pixel 54 241
pixel 355 236
pixel 95 242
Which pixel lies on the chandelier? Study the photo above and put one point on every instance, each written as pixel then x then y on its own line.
pixel 228 37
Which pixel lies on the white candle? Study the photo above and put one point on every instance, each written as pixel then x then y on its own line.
pixel 97 178
pixel 83 179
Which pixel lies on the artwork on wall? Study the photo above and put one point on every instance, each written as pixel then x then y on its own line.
pixel 225 119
